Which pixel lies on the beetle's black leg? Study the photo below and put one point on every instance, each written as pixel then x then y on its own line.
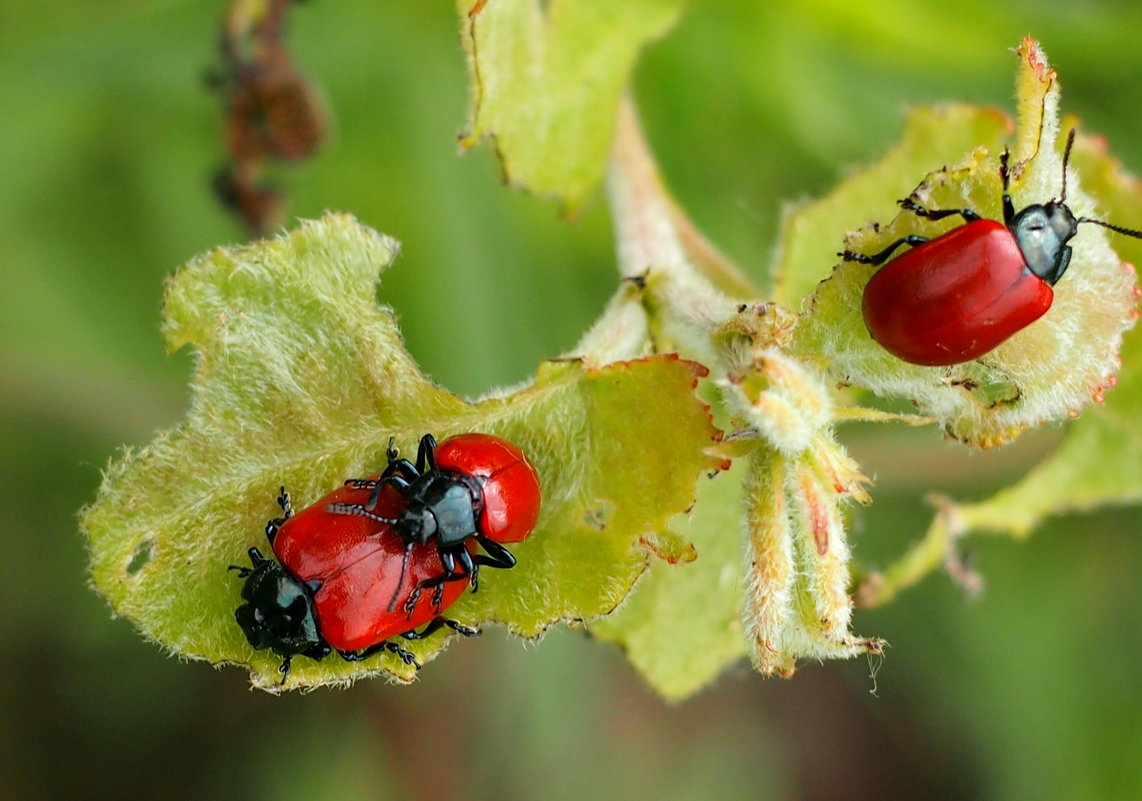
pixel 395 467
pixel 426 453
pixel 256 559
pixel 403 468
pixel 908 204
pixel 275 524
pixel 437 587
pixel 448 559
pixel 435 624
pixel 357 656
pixel 318 650
pixel 436 584
pixel 400 482
pixel 1008 206
pixel 882 256
pixel 272 527
pixel 470 567
pixel 432 626
pixel 361 483
pixel 399 467
pixel 284 503
pixel 460 628
pixel 498 556
pixel 410 604
pixel 242 570
pixel 448 562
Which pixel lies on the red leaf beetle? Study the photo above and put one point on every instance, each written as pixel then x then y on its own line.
pixel 347 561
pixel 952 299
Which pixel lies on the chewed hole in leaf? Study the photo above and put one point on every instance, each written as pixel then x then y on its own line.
pixel 142 555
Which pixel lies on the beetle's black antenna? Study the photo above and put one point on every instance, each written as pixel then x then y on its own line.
pixel 1112 227
pixel 1066 158
pixel 403 573
pixel 358 510
pixel 1116 228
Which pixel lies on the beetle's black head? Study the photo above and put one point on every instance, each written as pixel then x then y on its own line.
pixel 415 523
pixel 1043 231
pixel 279 611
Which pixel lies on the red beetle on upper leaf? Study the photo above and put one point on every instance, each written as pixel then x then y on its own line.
pixel 952 299
pixel 339 585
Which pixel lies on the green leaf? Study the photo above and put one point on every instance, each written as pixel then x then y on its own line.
pixel 546 82
pixel 682 627
pixel 301 379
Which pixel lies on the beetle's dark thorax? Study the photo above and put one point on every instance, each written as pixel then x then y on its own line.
pixel 443 506
pixel 1042 233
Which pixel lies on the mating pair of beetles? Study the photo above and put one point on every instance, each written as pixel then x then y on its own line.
pixel 380 557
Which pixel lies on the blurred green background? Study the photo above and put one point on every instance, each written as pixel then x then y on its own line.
pixel 107 145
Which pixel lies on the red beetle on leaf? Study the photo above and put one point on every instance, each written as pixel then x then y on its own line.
pixel 354 566
pixel 954 298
